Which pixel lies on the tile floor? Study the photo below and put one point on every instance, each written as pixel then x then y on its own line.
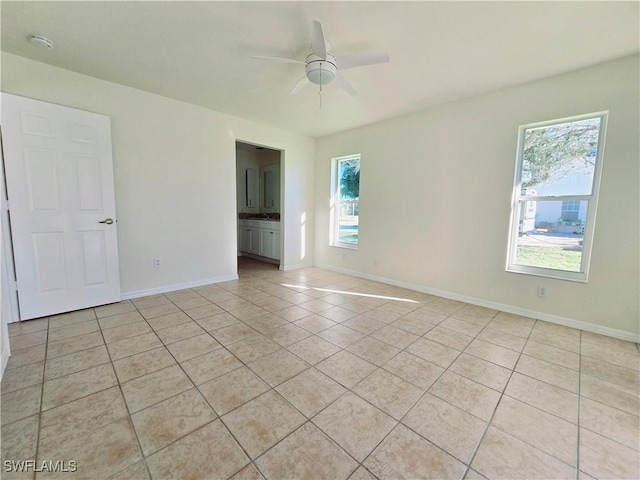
pixel 314 374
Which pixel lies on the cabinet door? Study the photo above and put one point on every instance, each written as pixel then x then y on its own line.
pixel 276 246
pixel 254 241
pixel 266 243
pixel 243 239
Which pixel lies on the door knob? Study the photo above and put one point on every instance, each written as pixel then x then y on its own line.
pixel 108 221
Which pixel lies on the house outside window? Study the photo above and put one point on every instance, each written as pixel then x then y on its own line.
pixel 556 185
pixel 345 201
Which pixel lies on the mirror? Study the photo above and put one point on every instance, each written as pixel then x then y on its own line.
pixel 270 183
pixel 250 186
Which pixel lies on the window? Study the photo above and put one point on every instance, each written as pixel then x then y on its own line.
pixel 345 198
pixel 553 214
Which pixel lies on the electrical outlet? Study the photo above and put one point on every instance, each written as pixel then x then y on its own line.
pixel 542 291
pixel 157 263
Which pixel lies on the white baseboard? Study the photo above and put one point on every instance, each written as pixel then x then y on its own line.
pixel 286 268
pixel 547 317
pixel 5 359
pixel 175 287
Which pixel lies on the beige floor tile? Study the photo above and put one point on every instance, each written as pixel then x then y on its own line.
pixel 338 314
pixel 556 330
pixel 193 347
pixel 473 475
pixel 71 318
pixel 373 350
pixel 448 337
pixel 395 336
pixel 546 337
pixel 62 333
pixel 625 377
pixel 170 320
pixel 278 367
pixel 233 389
pixel 601 457
pixel 310 391
pixel 74 344
pixel 77 385
pixel 611 394
pixel 209 449
pixel 466 394
pixel 22 377
pixel 487 373
pixel 316 306
pixel 253 348
pixel 549 372
pixel 313 349
pixel 215 322
pixel 134 345
pixel 464 327
pixel 506 340
pixel 315 323
pixel 74 362
pixel 158 311
pixel 551 399
pixel 542 430
pixel 142 363
pixel 137 471
pixel 444 306
pixel 29 339
pixel 165 422
pixel 250 312
pixel 474 314
pixel 266 323
pixel 19 440
pixel 29 326
pixel 114 309
pixel 341 336
pixel 287 334
pixel 355 425
pixel 111 448
pixel 404 454
pixel 362 474
pixel 250 472
pixel 179 332
pixel 623 358
pixel 233 303
pixel 182 295
pixel 81 417
pixel 233 333
pixel 551 354
pixel 512 324
pixel 414 369
pixel 346 368
pixel 120 320
pixel 190 303
pixel 364 324
pixel 609 422
pixel 452 429
pixel 501 455
pixel 433 352
pixel 126 331
pixel 26 356
pixel 597 340
pixel 203 311
pixel 493 353
pixel 389 393
pixel 262 422
pixel 150 301
pixel 154 387
pixel 210 365
pixel 417 323
pixel 20 404
pixel 307 453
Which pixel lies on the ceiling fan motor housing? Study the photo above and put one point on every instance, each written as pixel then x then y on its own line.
pixel 320 71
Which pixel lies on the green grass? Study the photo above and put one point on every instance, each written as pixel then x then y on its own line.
pixel 549 257
pixel 348 236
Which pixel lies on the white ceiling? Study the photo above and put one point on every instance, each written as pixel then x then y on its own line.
pixel 200 52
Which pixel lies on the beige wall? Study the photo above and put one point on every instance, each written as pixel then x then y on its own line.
pixel 175 176
pixel 435 200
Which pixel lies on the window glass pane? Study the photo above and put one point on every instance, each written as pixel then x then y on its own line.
pixel 560 159
pixel 550 236
pixel 348 200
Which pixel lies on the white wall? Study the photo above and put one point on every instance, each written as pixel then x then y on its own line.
pixel 175 176
pixel 436 189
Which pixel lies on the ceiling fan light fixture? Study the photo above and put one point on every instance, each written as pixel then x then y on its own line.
pixel 321 71
pixel 42 42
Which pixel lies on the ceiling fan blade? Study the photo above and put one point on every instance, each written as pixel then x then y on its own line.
pixel 350 61
pixel 278 59
pixel 299 86
pixel 318 44
pixel 345 85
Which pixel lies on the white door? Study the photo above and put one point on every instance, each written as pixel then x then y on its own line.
pixel 59 174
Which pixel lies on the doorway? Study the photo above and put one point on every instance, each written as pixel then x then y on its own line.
pixel 259 175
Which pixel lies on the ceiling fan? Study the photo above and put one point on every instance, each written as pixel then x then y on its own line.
pixel 322 67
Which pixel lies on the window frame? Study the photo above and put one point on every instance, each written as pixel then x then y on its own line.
pixel 334 229
pixel 591 199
